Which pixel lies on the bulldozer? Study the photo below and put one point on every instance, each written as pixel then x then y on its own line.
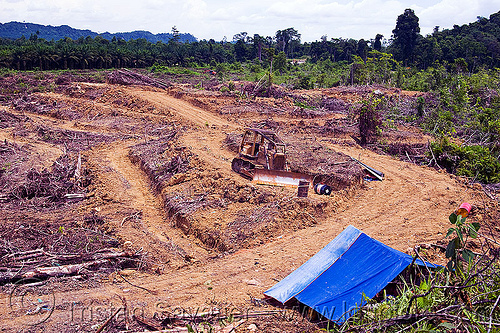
pixel 262 159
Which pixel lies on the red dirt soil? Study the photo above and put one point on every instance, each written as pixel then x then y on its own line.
pixel 208 255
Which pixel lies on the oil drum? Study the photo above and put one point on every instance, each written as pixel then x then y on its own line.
pixel 322 189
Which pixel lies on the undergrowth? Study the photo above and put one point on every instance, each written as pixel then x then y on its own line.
pixel 474 161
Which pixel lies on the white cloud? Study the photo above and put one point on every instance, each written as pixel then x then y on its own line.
pixel 207 19
pixel 447 13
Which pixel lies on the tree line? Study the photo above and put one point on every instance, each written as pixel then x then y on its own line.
pixel 477 43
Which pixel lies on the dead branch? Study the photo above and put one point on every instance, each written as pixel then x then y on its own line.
pixel 148 323
pixel 108 321
pixel 133 285
pixel 433 157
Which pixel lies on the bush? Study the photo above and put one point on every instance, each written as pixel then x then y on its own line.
pixel 370 122
pixel 475 161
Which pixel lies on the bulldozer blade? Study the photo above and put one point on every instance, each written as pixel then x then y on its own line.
pixel 279 178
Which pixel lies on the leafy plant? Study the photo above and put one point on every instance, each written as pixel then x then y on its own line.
pixel 370 121
pixel 473 161
pixel 456 247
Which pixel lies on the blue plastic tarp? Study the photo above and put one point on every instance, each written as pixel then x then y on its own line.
pixel 334 280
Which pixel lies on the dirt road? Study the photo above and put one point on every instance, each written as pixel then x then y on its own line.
pixel 409 207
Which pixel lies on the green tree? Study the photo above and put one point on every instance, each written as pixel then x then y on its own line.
pixel 405 35
pixel 286 38
pixel 280 62
pixel 377 45
pixel 176 36
pixel 258 42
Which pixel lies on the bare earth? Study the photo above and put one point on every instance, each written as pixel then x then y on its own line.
pixel 410 207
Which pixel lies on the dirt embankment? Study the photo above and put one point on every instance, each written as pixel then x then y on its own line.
pixel 155 180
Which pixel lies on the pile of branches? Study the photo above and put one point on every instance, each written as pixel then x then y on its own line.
pixel 262 89
pixel 309 113
pixel 43 105
pixel 182 205
pixel 415 153
pixel 233 141
pixel 336 127
pixel 72 140
pixel 226 319
pixel 248 224
pixel 330 167
pixel 128 77
pixel 160 159
pixel 8 119
pixel 64 181
pixel 39 264
pixel 323 105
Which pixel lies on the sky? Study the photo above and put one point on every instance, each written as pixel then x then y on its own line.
pixel 206 19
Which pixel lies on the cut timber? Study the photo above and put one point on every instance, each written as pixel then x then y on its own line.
pixel 43 272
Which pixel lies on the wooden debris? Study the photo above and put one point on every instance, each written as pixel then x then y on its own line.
pixel 43 272
pixel 33 264
pixel 103 326
pixel 128 77
pixel 148 323
pixel 75 196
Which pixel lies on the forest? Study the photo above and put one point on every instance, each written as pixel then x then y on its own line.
pixel 458 68
pixel 115 175
pixel 477 43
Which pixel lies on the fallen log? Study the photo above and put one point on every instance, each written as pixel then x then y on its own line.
pixel 100 254
pixel 24 253
pixel 44 272
pixel 15 269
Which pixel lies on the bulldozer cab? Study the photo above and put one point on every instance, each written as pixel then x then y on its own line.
pixel 264 147
pixel 262 159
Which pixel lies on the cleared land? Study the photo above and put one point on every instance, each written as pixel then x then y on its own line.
pixel 135 182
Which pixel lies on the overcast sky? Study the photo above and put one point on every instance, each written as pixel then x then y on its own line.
pixel 215 19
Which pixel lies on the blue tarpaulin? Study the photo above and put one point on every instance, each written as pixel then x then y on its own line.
pixel 334 280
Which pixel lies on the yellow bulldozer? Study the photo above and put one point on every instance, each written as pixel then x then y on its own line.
pixel 262 159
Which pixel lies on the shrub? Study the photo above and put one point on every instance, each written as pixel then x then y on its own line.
pixel 370 122
pixel 475 161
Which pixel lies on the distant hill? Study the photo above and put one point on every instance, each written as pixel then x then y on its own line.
pixel 14 30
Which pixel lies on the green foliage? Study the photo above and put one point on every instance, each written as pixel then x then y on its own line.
pixel 456 247
pixel 406 34
pixel 468 49
pixel 157 68
pixel 369 114
pixel 476 161
pixel 380 68
pixel 303 105
pixel 280 62
pixel 304 83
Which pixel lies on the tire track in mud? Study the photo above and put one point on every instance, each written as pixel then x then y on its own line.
pixel 135 191
pixel 187 111
pixel 410 206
